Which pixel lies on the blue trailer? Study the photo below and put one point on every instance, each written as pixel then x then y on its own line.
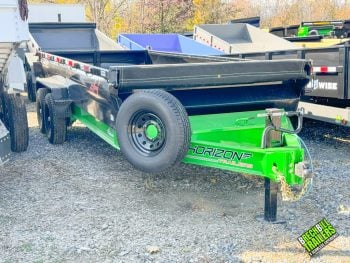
pixel 173 43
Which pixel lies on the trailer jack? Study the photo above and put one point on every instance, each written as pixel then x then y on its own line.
pixel 272 132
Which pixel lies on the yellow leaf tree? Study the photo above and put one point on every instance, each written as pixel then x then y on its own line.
pixel 105 13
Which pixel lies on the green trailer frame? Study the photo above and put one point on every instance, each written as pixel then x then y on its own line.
pixel 260 142
pixel 228 141
pixel 304 31
pixel 235 142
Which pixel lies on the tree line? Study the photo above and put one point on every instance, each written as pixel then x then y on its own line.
pixel 163 16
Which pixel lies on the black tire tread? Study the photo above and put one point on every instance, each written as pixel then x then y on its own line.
pixel 40 102
pixel 184 118
pixel 31 87
pixel 17 123
pixel 181 119
pixel 58 124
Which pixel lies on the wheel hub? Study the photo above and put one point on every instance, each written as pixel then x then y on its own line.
pixel 152 130
pixel 147 132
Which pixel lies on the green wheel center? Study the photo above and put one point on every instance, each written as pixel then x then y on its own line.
pixel 152 131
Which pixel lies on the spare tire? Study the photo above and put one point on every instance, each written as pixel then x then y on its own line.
pixel 314 33
pixel 153 130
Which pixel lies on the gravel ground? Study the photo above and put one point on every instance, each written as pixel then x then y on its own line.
pixel 82 202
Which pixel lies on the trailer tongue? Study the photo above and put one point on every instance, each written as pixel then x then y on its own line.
pixel 160 109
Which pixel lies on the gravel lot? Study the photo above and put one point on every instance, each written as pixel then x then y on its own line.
pixel 82 202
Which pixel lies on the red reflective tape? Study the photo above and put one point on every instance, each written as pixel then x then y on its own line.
pixel 86 68
pixel 70 63
pixel 324 69
pixel 58 59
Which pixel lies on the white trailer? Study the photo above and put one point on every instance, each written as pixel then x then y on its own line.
pixel 13 116
pixel 53 13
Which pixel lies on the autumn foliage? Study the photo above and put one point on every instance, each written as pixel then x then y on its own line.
pixel 151 16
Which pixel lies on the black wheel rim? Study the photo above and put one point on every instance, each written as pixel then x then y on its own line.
pixel 147 133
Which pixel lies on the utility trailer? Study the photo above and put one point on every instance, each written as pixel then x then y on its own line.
pixel 13 115
pixel 327 96
pixel 159 109
pixel 52 37
pixel 174 43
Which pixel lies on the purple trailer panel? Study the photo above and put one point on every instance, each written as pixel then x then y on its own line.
pixel 173 43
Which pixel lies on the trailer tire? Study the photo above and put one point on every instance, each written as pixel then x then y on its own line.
pixel 16 121
pixel 55 126
pixel 31 87
pixel 40 106
pixel 153 130
pixel 314 33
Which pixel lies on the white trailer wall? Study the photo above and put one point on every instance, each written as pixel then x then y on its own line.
pixel 13 32
pixel 68 13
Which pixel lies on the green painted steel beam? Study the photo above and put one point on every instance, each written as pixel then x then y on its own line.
pixel 98 127
pixel 230 141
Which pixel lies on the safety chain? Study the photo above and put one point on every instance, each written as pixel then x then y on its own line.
pixel 287 193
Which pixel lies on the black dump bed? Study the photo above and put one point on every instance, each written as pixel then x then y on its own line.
pixel 330 67
pixel 52 37
pixel 219 86
pixel 164 72
pixel 203 84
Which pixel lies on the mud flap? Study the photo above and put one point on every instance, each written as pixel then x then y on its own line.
pixel 5 144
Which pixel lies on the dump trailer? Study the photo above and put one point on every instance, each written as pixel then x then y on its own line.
pixel 166 43
pixel 159 109
pixel 332 29
pixel 55 37
pixel 335 28
pixel 239 38
pixel 300 36
pixel 327 96
pixel 13 115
